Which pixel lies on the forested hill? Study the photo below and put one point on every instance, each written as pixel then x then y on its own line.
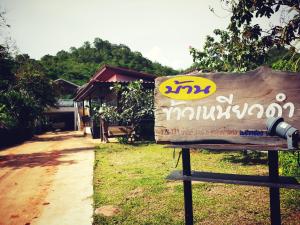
pixel 79 64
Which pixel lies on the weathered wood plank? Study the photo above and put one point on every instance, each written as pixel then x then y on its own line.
pixel 264 181
pixel 229 147
pixel 248 98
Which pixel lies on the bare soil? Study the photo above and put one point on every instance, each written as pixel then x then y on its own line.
pixel 107 210
pixel 27 172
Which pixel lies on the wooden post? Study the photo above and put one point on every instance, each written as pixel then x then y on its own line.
pixel 91 120
pixel 100 127
pixel 104 130
pixel 90 107
pixel 274 192
pixel 83 110
pixel 187 187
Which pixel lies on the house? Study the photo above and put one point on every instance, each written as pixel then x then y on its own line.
pixel 97 91
pixel 64 116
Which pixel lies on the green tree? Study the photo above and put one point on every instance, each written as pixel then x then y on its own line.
pixel 135 104
pixel 79 64
pixel 284 33
pixel 25 92
pixel 6 68
pixel 228 52
pixel 7 78
pixel 244 46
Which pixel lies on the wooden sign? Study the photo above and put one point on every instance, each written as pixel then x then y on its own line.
pixel 225 107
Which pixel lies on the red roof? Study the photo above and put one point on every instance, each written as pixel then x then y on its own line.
pixel 106 73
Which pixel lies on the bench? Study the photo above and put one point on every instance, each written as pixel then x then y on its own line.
pixel 111 131
pixel 119 131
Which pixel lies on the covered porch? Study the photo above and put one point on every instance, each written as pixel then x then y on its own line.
pixel 98 92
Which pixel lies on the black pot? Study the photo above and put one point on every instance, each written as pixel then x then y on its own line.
pixel 96 132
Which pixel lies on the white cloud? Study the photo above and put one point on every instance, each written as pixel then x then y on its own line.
pixel 177 64
pixel 156 54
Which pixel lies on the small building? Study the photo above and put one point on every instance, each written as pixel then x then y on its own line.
pixel 64 116
pixel 98 91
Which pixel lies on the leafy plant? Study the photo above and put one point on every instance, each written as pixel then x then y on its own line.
pixel 123 140
pixel 135 104
pixel 6 119
pixel 289 165
pixel 284 33
pixel 106 112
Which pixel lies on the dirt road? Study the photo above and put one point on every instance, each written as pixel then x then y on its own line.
pixel 38 180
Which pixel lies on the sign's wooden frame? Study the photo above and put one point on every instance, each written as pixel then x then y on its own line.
pixel 235 114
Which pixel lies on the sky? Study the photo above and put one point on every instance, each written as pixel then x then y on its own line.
pixel 162 30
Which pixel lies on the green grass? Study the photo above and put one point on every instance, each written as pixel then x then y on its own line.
pixel 133 179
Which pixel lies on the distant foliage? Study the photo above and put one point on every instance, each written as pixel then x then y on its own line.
pixel 245 45
pixel 284 60
pixel 286 65
pixel 79 64
pixel 224 55
pixel 228 52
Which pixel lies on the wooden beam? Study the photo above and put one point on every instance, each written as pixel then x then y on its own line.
pixel 264 181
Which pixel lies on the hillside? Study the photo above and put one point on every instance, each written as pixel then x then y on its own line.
pixel 79 64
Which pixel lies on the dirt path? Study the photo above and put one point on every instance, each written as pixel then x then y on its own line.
pixel 35 177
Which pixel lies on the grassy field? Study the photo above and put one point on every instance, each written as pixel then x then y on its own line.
pixel 132 178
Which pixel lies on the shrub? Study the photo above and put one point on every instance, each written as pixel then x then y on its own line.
pixel 123 140
pixel 289 165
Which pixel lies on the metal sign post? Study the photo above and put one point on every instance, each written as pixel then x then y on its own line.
pixel 187 186
pixel 274 192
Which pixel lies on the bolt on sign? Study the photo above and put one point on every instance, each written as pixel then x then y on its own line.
pixel 225 107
